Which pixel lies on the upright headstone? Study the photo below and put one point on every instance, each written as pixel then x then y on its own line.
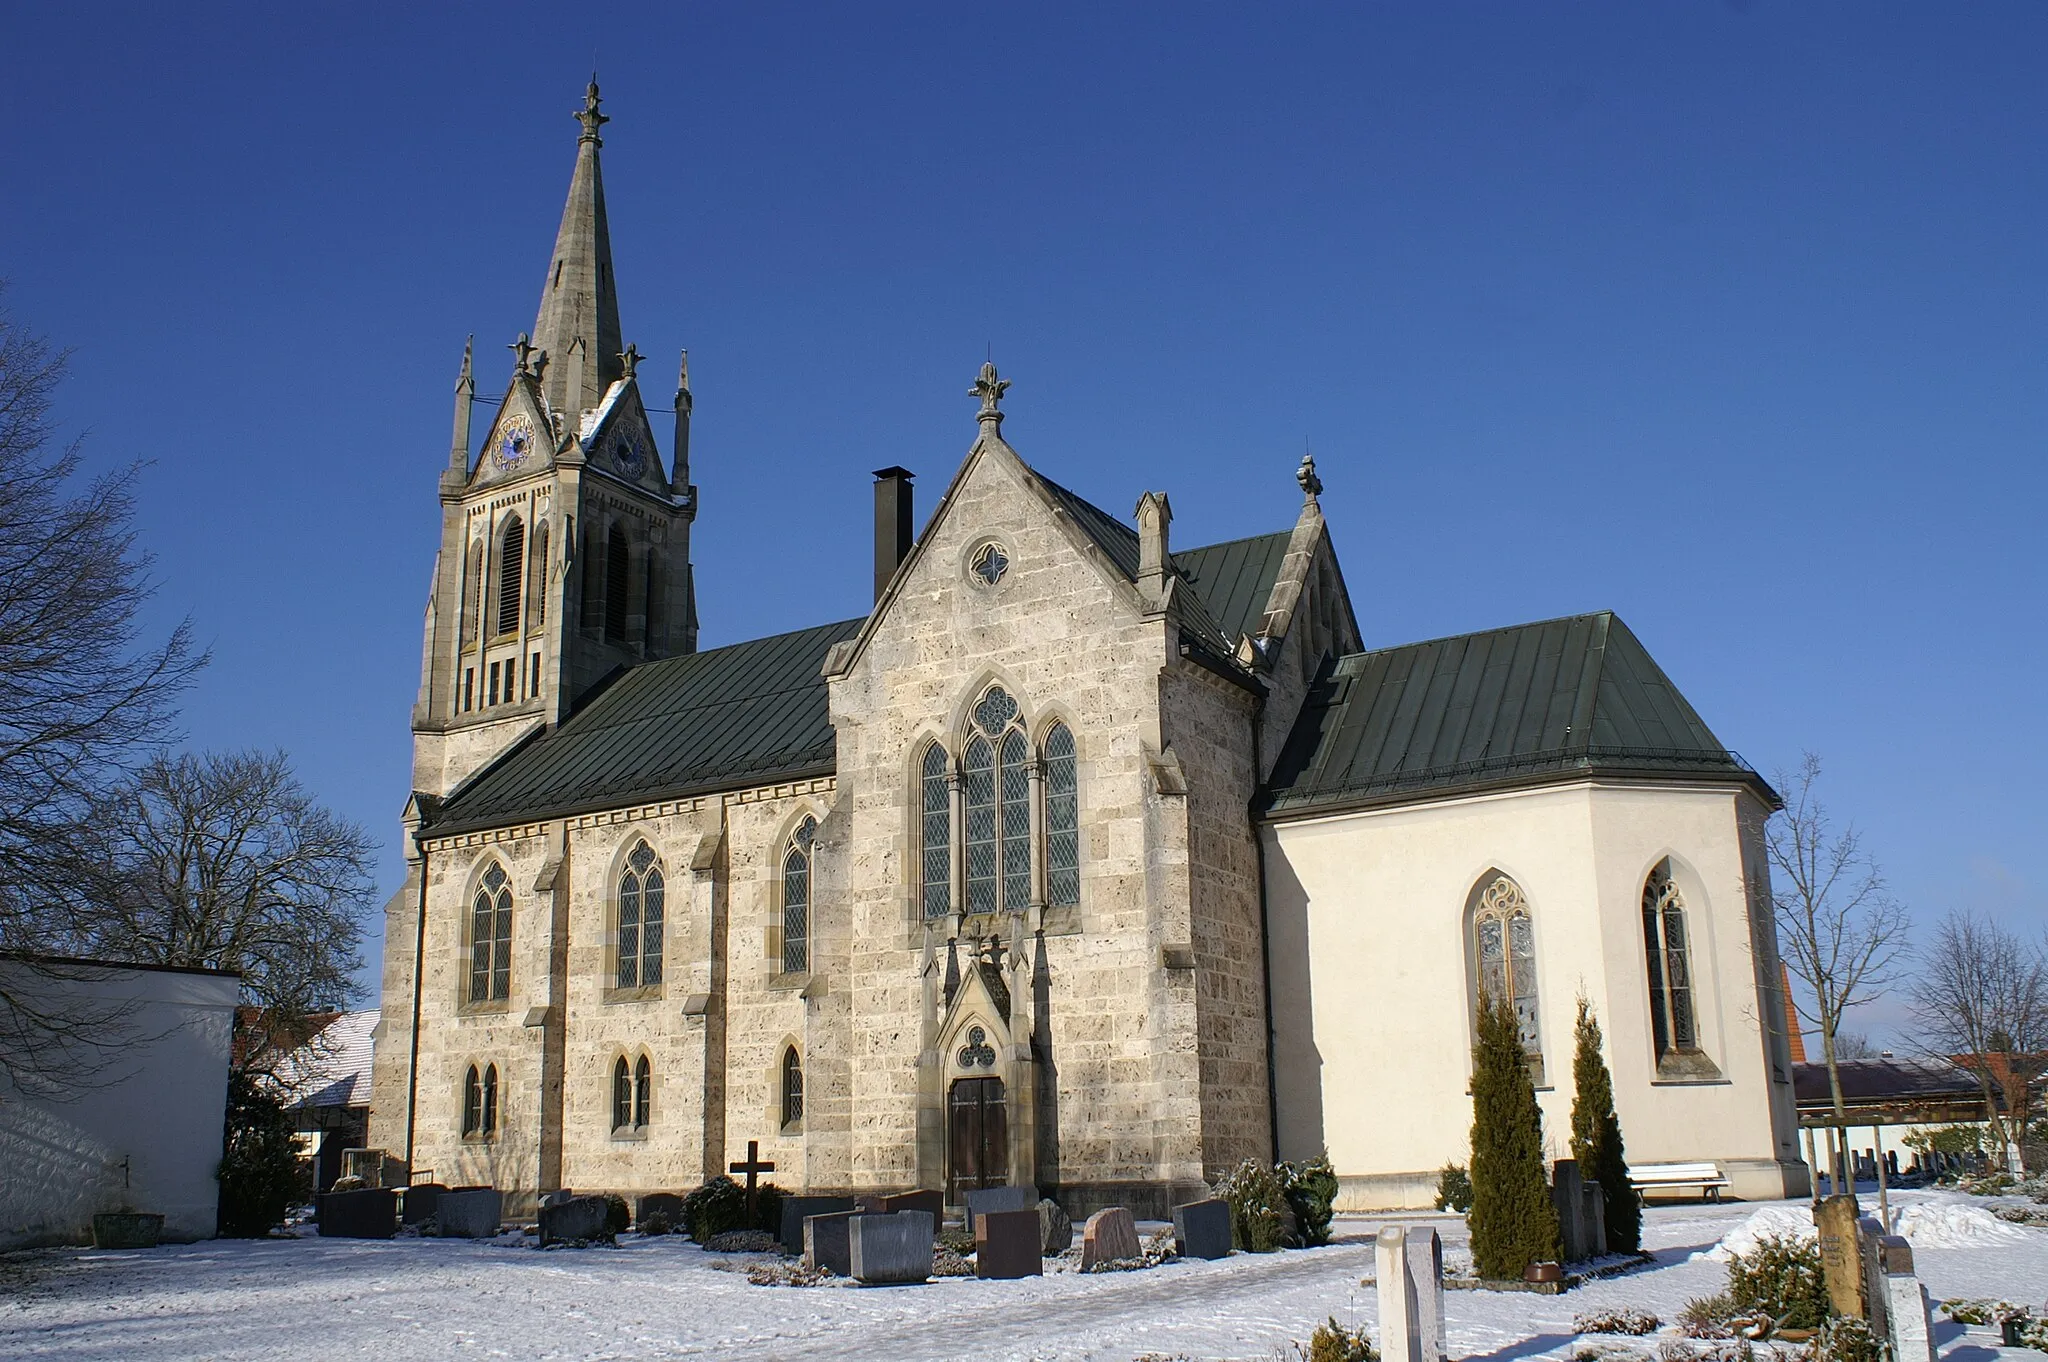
pixel 1906 1306
pixel 797 1209
pixel 1426 1280
pixel 1109 1236
pixel 417 1202
pixel 469 1213
pixel 921 1199
pixel 1400 1325
pixel 1841 1258
pixel 1006 1244
pixel 1596 1219
pixel 984 1199
pixel 1055 1228
pixel 579 1218
pixel 1568 1196
pixel 1201 1229
pixel 366 1213
pixel 1870 1237
pixel 890 1249
pixel 828 1242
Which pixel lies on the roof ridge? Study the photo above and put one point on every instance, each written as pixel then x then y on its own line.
pixel 1475 633
pixel 1241 539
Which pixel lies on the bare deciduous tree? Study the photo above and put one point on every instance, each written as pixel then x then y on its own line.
pixel 1981 997
pixel 83 696
pixel 226 861
pixel 1839 929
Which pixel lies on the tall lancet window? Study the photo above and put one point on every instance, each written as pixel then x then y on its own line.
pixel 1062 819
pixel 1505 941
pixel 796 897
pixel 511 574
pixel 615 585
pixel 1672 1024
pixel 490 938
pixel 995 772
pixel 641 919
pixel 935 829
pixel 472 592
pixel 537 578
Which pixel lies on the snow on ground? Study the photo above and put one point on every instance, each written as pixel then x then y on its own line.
pixel 1927 1220
pixel 311 1300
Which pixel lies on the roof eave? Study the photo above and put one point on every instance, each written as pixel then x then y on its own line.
pixel 1425 791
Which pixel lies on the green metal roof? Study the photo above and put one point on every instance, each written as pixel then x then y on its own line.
pixel 725 719
pixel 1524 705
pixel 1236 579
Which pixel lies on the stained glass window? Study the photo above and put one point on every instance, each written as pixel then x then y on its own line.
pixel 1506 942
pixel 1015 816
pixel 978 782
pixel 936 843
pixel 792 1087
pixel 643 1092
pixel 640 920
pixel 1062 823
pixel 796 898
pixel 1672 1023
pixel 622 1095
pixel 490 938
pixel 990 563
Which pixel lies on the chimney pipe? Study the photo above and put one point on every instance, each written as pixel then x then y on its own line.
pixel 893 535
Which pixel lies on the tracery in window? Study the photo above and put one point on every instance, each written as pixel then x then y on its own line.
pixel 1062 820
pixel 792 1087
pixel 472 1102
pixel 995 776
pixel 796 897
pixel 1667 947
pixel 642 917
pixel 643 1093
pixel 491 1099
pixel 490 938
pixel 935 844
pixel 990 563
pixel 1505 943
pixel 511 573
pixel 622 1096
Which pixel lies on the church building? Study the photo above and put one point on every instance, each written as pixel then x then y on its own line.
pixel 1084 860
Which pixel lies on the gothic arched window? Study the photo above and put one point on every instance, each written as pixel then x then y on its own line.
pixel 641 919
pixel 653 597
pixel 472 1102
pixel 996 776
pixel 1505 944
pixel 490 938
pixel 935 833
pixel 1665 942
pixel 1062 819
pixel 643 1092
pixel 792 1087
pixel 491 1100
pixel 537 577
pixel 622 1096
pixel 796 897
pixel 473 591
pixel 615 585
pixel 511 574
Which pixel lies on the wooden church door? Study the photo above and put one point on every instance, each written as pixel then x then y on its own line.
pixel 978 1138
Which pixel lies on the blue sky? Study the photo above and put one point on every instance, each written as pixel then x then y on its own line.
pixel 1727 317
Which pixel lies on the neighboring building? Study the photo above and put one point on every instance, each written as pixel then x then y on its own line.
pixel 326 1082
pixel 1884 1100
pixel 128 1119
pixel 996 883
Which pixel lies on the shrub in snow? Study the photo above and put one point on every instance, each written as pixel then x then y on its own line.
pixel 1258 1207
pixel 1625 1320
pixel 654 1222
pixel 1596 1136
pixel 1332 1342
pixel 1845 1340
pixel 618 1216
pixel 720 1205
pixel 259 1173
pixel 1311 1191
pixel 1781 1278
pixel 1454 1189
pixel 1514 1223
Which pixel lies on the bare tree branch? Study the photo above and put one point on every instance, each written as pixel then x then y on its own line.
pixel 1981 998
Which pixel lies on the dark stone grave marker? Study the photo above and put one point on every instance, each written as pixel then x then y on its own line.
pixel 579 1217
pixel 369 1213
pixel 469 1213
pixel 984 1199
pixel 828 1241
pixel 419 1201
pixel 1006 1244
pixel 797 1209
pixel 891 1249
pixel 1202 1228
pixel 667 1205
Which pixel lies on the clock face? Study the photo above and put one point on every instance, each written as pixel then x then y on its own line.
pixel 629 453
pixel 515 441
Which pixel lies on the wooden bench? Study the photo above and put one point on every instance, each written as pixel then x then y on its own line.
pixel 1648 1177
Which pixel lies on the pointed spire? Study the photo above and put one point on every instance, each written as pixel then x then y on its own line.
pixel 465 396
pixel 579 301
pixel 683 403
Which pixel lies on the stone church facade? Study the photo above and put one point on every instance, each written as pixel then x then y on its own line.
pixel 1082 860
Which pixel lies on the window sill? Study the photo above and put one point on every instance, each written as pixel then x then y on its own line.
pixel 793 982
pixel 650 993
pixel 495 1007
pixel 1686 1066
pixel 629 1134
pixel 481 1141
pixel 792 1130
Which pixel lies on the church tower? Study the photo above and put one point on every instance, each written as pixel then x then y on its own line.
pixel 565 546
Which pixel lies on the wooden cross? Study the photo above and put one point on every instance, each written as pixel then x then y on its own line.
pixel 753 1166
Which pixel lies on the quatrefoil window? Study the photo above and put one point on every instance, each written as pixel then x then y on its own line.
pixel 989 564
pixel 977 1052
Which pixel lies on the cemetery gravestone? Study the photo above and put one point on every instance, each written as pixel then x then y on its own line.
pixel 984 1199
pixel 1568 1196
pixel 469 1213
pixel 418 1202
pixel 891 1249
pixel 1869 1236
pixel 1108 1237
pixel 1596 1219
pixel 1201 1229
pixel 1006 1244
pixel 797 1209
pixel 1841 1258
pixel 1906 1306
pixel 1426 1278
pixel 579 1217
pixel 665 1205
pixel 753 1166
pixel 369 1213
pixel 1400 1326
pixel 931 1203
pixel 1055 1228
pixel 828 1242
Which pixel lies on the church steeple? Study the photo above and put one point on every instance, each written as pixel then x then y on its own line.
pixel 578 324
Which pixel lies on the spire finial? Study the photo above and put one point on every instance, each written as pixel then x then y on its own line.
pixel 522 354
pixel 630 359
pixel 590 118
pixel 1311 485
pixel 990 390
pixel 464 378
pixel 683 374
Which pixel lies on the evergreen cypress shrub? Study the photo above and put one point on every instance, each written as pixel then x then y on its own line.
pixel 1513 1221
pixel 1454 1189
pixel 1782 1278
pixel 1258 1207
pixel 260 1174
pixel 1311 1190
pixel 1596 1136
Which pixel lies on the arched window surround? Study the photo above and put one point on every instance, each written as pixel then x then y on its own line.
pixel 618 581
pixel 632 1095
pixel 796 897
pixel 1682 1058
pixel 511 576
pixel 790 1089
pixel 1503 953
pixel 480 1093
pixel 639 922
pixel 487 936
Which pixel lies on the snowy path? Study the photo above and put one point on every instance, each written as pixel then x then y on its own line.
pixel 312 1300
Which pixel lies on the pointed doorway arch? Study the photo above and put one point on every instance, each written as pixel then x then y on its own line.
pixel 977 1137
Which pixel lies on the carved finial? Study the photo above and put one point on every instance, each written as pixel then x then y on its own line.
pixel 630 358
pixel 465 379
pixel 990 390
pixel 523 352
pixel 590 118
pixel 1311 485
pixel 683 374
